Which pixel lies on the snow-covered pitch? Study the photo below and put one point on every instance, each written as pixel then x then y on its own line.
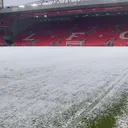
pixel 46 87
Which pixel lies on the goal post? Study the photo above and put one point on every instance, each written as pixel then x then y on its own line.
pixel 74 43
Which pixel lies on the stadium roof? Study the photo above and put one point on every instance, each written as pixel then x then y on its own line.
pixel 50 4
pixel 26 2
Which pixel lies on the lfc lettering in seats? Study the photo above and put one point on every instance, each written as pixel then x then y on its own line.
pixel 75 35
pixel 30 38
pixel 124 35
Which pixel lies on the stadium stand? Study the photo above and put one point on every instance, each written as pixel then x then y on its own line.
pixel 76 32
pixel 91 25
pixel 1 42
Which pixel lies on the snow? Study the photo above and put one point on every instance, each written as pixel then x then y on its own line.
pixel 122 120
pixel 52 87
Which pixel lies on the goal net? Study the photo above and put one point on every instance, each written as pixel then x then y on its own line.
pixel 74 43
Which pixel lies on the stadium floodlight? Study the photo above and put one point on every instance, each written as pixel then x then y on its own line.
pixel 97 14
pixel 34 5
pixel 107 13
pixel 47 3
pixel 21 6
pixel 45 16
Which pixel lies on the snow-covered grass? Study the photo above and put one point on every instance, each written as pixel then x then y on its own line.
pixel 122 119
pixel 46 87
pixel 109 116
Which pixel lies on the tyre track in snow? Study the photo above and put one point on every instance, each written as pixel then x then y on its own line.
pixel 75 119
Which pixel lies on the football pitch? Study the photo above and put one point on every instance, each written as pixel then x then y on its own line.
pixel 63 87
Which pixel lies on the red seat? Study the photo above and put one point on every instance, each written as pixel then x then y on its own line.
pixel 56 34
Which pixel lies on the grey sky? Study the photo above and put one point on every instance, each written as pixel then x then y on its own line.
pixel 17 2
